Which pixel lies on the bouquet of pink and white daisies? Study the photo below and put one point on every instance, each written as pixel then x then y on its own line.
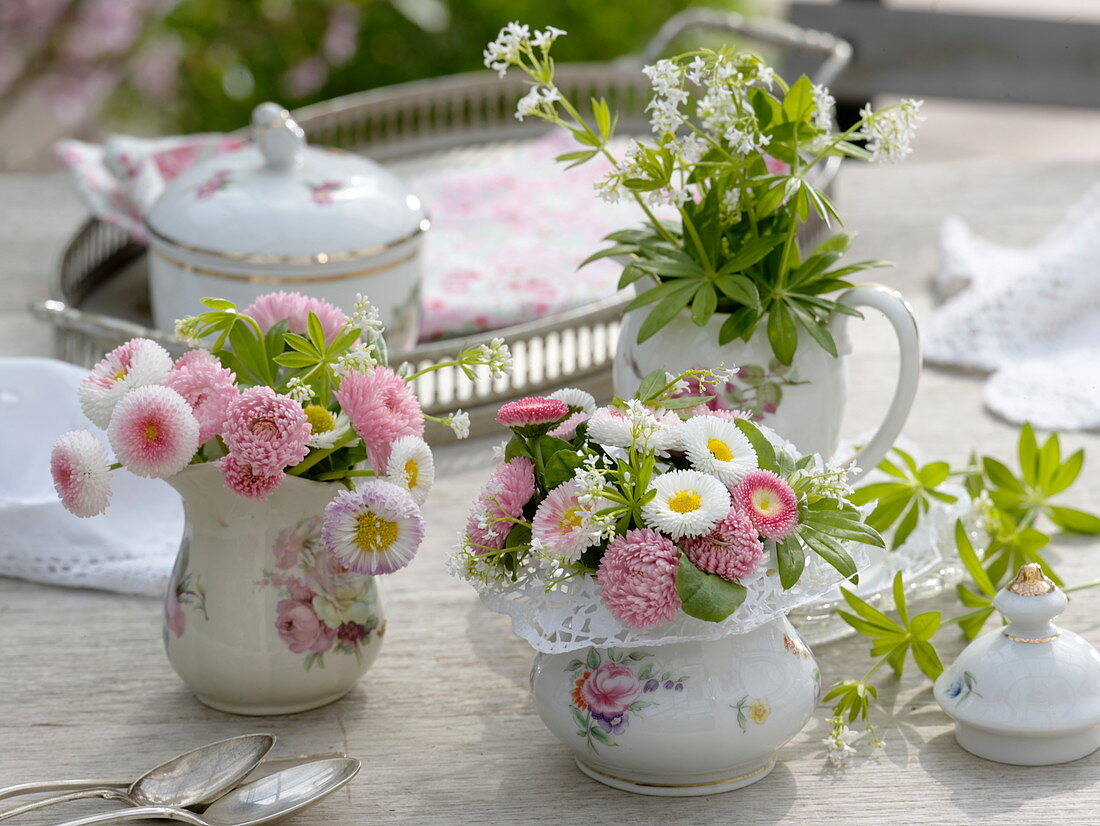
pixel 290 386
pixel 668 504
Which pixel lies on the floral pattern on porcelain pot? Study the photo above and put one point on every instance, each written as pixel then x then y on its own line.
pixel 681 719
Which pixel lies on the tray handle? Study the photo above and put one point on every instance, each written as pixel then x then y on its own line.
pixel 836 52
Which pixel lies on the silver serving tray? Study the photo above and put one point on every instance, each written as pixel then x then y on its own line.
pixel 100 295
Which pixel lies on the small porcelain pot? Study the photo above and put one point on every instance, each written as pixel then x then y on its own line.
pixel 280 215
pixel 805 401
pixel 683 719
pixel 258 617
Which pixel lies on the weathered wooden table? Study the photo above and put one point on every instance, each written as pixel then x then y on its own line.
pixel 443 722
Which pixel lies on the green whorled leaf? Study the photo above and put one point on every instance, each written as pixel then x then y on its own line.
pixel 858 266
pixel 661 291
pixel 301 344
pixel 703 304
pixel 791 557
pixel 907 524
pixel 889 510
pixel 740 324
pixel 707 596
pixel 864 627
pixel 824 285
pixel 838 242
pixel 550 445
pixel 765 451
pixel 652 385
pixel 927 659
pixel 970 559
pixel 767 203
pixel 1028 452
pixel 812 268
pixel 609 252
pixel 684 402
pixel 764 106
pixel 663 313
pixel 1000 475
pixel 749 253
pixel 1050 457
pixel 1074 520
pixel 971 624
pixel 798 103
pixel 934 474
pixel 295 360
pixel 251 353
pixel 631 274
pixel 852 150
pixel 831 551
pixel 878 490
pixel 971 599
pixel 1066 474
pixel 898 587
pixel 316 332
pixel 782 334
pixel 220 304
pixel 843 527
pixel 871 614
pixel 738 288
pixel 817 330
pixel 602 114
pixel 924 626
pixel 518 537
pixel 896 658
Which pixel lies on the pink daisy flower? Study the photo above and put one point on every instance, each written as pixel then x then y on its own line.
pixel 247 479
pixel 294 308
pixel 137 363
pixel 637 579
pixel 732 550
pixel 502 499
pixel 207 387
pixel 78 465
pixel 563 525
pixel 769 503
pixel 568 429
pixel 532 412
pixel 382 408
pixel 266 429
pixel 153 432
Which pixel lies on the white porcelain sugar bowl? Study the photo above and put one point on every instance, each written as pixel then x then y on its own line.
pixel 280 215
pixel 1027 693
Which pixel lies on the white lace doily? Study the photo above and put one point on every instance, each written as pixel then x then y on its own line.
pixel 129 549
pixel 1029 316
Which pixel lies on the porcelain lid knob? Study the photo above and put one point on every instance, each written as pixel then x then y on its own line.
pixel 1030 602
pixel 279 137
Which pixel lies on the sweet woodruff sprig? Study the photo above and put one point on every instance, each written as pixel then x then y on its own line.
pixel 1009 505
pixel 290 386
pixel 666 502
pixel 732 158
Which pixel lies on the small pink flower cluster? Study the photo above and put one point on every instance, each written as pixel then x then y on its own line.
pixel 265 433
pixel 294 308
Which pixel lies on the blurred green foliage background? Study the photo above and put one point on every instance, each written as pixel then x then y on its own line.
pixel 232 54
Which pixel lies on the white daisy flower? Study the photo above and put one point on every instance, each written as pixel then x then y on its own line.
pixel 137 363
pixel 688 503
pixel 718 447
pixel 582 400
pixel 412 467
pixel 610 428
pixel 375 529
pixel 327 428
pixel 78 465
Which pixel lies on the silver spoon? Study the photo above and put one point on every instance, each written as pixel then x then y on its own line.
pixel 262 801
pixel 196 777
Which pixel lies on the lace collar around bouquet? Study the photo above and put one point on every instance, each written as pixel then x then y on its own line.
pixel 653 520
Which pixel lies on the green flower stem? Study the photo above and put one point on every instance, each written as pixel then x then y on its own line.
pixel 432 368
pixel 319 455
pixel 1095 583
pixel 333 475
pixel 115 466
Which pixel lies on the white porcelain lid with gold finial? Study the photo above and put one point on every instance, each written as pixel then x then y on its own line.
pixel 1026 693
pixel 281 202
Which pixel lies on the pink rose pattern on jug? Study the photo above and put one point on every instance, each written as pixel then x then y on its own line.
pixel 326 609
pixel 607 690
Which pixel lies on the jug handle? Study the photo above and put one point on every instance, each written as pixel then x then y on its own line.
pixel 900 315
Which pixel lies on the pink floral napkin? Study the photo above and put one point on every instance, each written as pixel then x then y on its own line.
pixel 509 225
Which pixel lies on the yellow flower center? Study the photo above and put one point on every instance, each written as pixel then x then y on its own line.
pixel 759 712
pixel 571 518
pixel 719 450
pixel 765 502
pixel 151 432
pixel 121 374
pixel 320 420
pixel 685 501
pixel 412 471
pixel 374 535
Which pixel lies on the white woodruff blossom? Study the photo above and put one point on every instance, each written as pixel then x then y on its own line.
pixel 187 331
pixel 889 133
pixel 544 38
pixel 496 355
pixel 366 317
pixel 823 108
pixel 360 357
pixel 459 423
pixel 299 390
pixel 506 50
pixel 534 101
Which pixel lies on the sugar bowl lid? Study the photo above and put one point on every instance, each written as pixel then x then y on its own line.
pixel 278 201
pixel 1027 693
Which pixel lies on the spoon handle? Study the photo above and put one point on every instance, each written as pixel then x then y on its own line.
pixel 145 812
pixel 105 793
pixel 60 786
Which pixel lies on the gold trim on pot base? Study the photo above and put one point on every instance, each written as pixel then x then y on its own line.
pixel 692 787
